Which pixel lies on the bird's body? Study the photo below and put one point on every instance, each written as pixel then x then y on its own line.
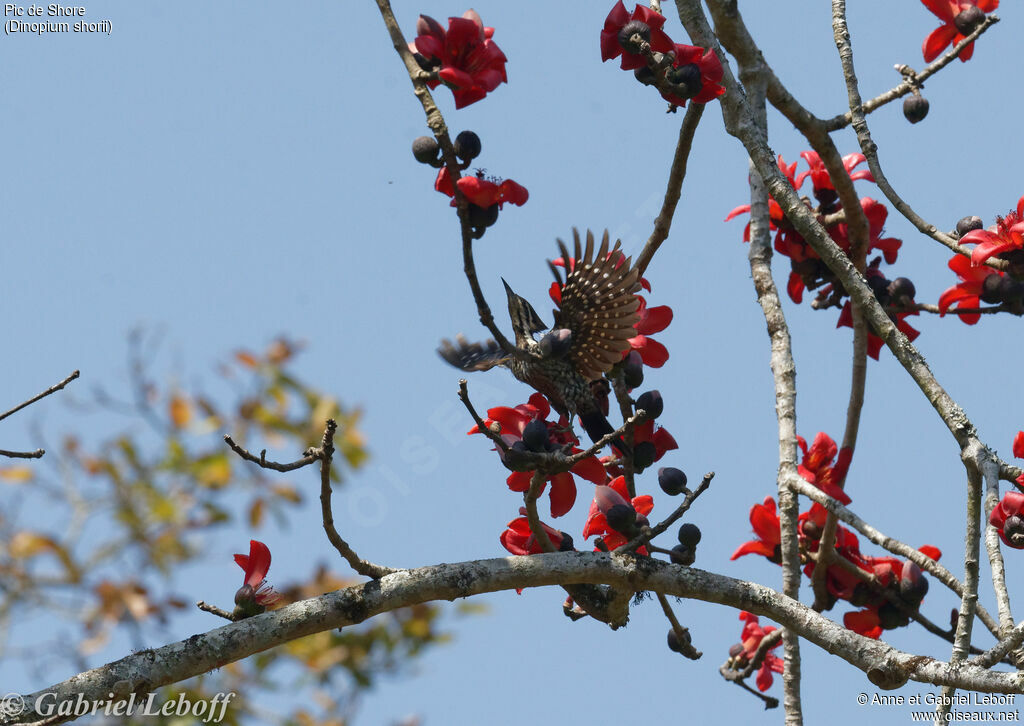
pixel 593 325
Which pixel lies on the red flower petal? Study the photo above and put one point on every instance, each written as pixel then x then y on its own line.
pixel 563 493
pixel 1018 445
pixel 937 40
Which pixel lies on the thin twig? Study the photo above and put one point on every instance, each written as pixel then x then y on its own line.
pixel 675 183
pixel 214 610
pixel 530 499
pixel 325 454
pixel 913 80
pixel 682 634
pixel 22 454
pixel 306 460
pixel 436 122
pixel 44 394
pixel 484 429
pixel 990 472
pixel 649 533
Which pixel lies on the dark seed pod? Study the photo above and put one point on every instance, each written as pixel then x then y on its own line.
pixel 633 370
pixel 535 436
pixel 1013 530
pixel 467 145
pixel 914 588
pixel 482 216
pixel 686 79
pixel 621 518
pixel 901 288
pixel 736 650
pixel 671 480
pixel 645 75
pixel 682 555
pixel 652 403
pixel 566 543
pixel 633 27
pixel 891 617
pixel 969 19
pixel 426 149
pixel 990 289
pixel 689 535
pixel 969 224
pixel 1009 289
pixel 915 108
pixel 644 455
pixel 677 645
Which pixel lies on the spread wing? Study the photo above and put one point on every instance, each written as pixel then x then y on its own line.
pixel 472 356
pixel 599 304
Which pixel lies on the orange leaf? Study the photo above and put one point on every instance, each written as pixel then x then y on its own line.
pixel 246 358
pixel 180 411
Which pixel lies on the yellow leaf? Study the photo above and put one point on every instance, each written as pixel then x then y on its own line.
pixel 214 471
pixel 180 411
pixel 287 492
pixel 29 544
pixel 16 474
pixel 256 513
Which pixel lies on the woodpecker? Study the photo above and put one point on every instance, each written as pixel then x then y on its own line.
pixel 593 325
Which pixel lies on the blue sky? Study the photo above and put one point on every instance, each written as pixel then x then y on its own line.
pixel 235 171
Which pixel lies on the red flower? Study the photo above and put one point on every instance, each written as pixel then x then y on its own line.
pixel 563 486
pixel 710 73
pixel 1006 235
pixel 256 564
pixel 948 33
pixel 967 292
pixel 775 214
pixel 519 540
pixel 821 466
pixel 1008 519
pixel 606 497
pixel 652 320
pixel 467 59
pixel 866 622
pixel 765 523
pixel 617 20
pixel 876 213
pixel 751 637
pixel 1018 445
pixel 819 175
pixel 659 436
pixel 874 342
pixel 483 192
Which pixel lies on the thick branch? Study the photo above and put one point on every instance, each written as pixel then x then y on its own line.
pixel 150 669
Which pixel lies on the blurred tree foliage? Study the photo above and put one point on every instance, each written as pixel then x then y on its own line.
pixel 96 533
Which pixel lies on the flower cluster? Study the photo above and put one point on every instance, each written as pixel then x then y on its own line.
pixel 979 283
pixel 464 57
pixel 885 587
pixel 744 652
pixel 809 272
pixel 959 19
pixel 526 428
pixel 679 72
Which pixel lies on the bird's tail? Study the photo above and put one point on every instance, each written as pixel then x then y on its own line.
pixel 597 426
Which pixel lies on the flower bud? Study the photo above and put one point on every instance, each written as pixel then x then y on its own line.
pixel 652 403
pixel 689 535
pixel 467 145
pixel 682 555
pixel 671 480
pixel 633 370
pixel 556 343
pixel 969 224
pixel 967 20
pixel 902 291
pixel 677 644
pixel 915 108
pixel 535 436
pixel 1013 530
pixel 621 518
pixel 644 455
pixel 426 149
pixel 481 217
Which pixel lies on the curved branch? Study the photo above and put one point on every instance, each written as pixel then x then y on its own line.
pixel 149 669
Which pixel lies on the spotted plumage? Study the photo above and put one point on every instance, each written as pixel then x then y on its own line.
pixel 598 309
